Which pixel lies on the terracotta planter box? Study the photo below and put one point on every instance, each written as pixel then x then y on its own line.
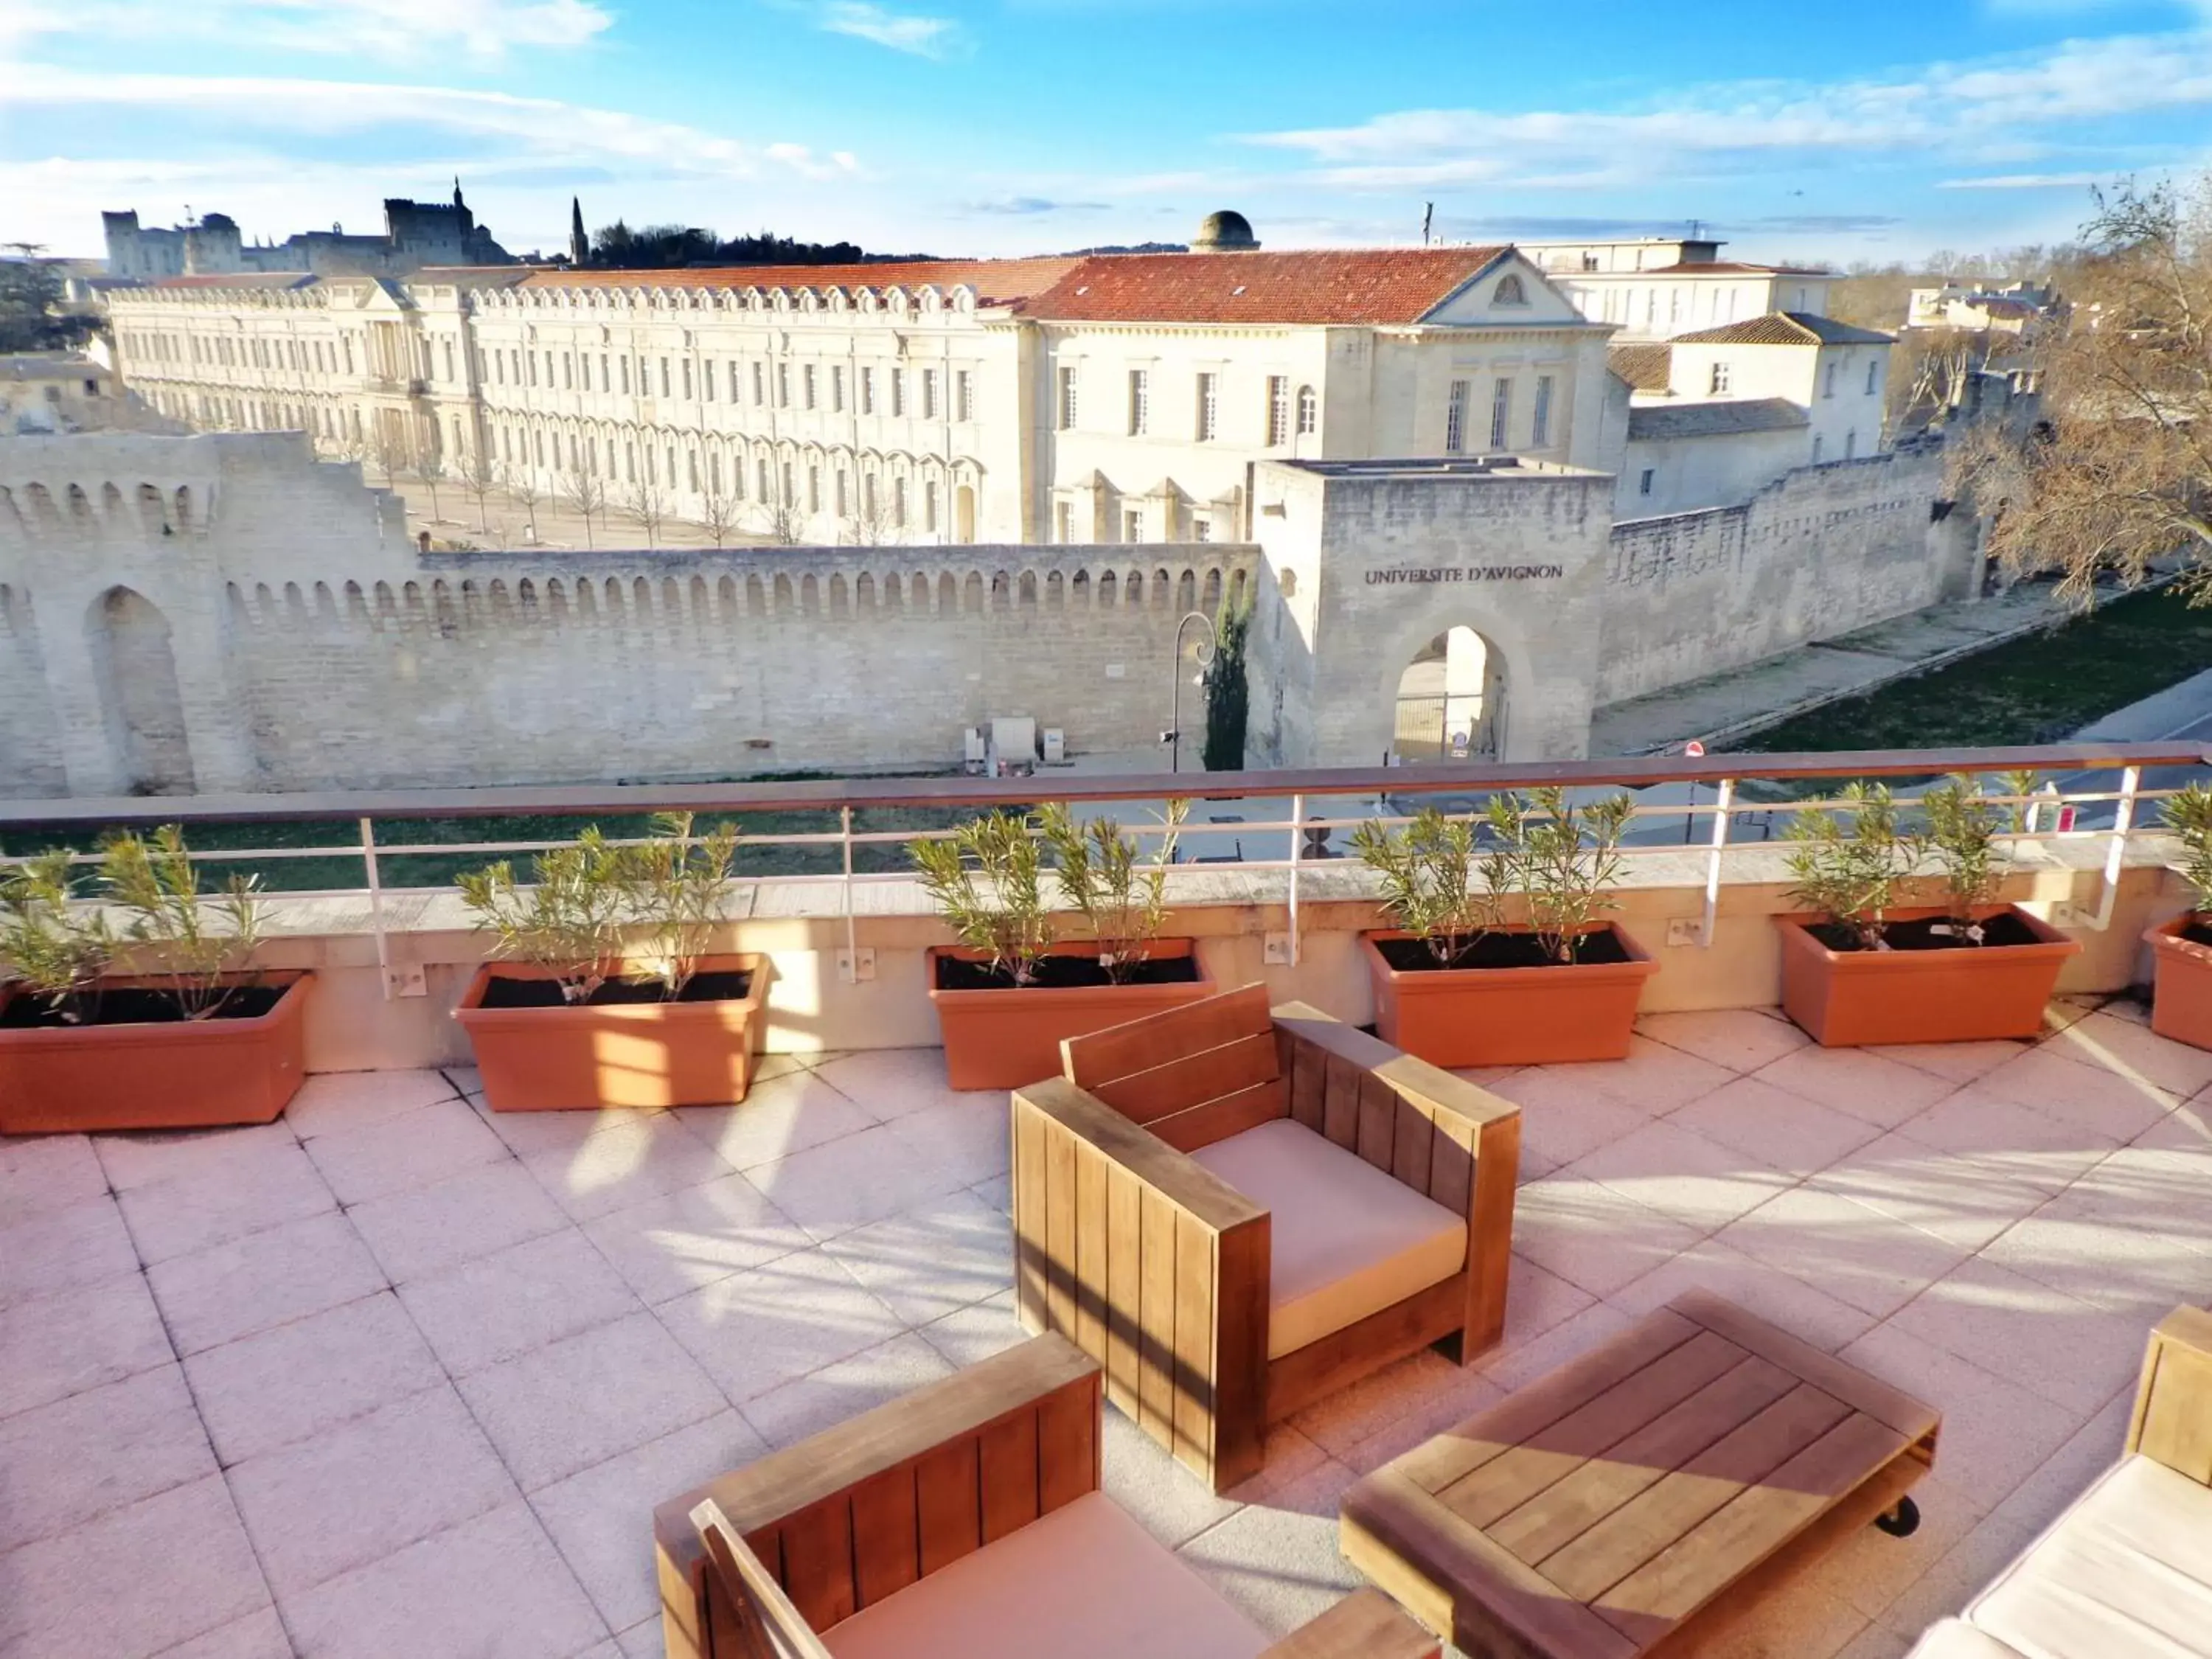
pixel 1845 998
pixel 625 1053
pixel 186 1074
pixel 2181 997
pixel 1454 1017
pixel 1004 1038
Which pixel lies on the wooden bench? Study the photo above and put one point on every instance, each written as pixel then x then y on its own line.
pixel 1161 1270
pixel 1633 1502
pixel 822 1548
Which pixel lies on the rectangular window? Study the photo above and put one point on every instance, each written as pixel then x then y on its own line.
pixel 736 394
pixel 763 476
pixel 1063 521
pixel 533 368
pixel 1456 419
pixel 760 393
pixel 1067 399
pixel 624 361
pixel 549 371
pixel 837 396
pixel 1644 484
pixel 806 384
pixel 898 486
pixel 929 397
pixel 814 489
pixel 868 392
pixel 841 493
pixel 783 386
pixel 1873 376
pixel 1209 407
pixel 1140 401
pixel 963 395
pixel 1828 381
pixel 567 369
pixel 1501 410
pixel 929 506
pixel 707 380
pixel 1719 382
pixel 898 400
pixel 1279 410
pixel 1539 433
pixel 606 380
pixel 1132 525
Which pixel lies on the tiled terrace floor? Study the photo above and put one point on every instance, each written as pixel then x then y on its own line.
pixel 394 1377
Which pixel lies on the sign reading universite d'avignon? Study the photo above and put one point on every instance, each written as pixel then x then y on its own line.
pixel 1467 573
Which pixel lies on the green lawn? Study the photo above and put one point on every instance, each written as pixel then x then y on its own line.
pixel 2040 689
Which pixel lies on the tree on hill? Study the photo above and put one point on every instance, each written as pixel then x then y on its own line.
pixel 672 247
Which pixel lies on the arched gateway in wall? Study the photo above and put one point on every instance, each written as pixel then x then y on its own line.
pixel 1451 702
pixel 139 700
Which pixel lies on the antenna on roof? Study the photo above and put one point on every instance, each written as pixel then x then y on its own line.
pixel 1428 213
pixel 1696 225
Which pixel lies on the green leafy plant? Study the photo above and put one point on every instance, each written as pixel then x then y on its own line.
pixel 1963 826
pixel 1847 864
pixel 672 887
pixel 1563 860
pixel 2188 818
pixel 986 880
pixel 198 943
pixel 566 918
pixel 56 949
pixel 1438 885
pixel 1124 907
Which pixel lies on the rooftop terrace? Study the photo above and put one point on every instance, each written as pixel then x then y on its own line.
pixel 394 1375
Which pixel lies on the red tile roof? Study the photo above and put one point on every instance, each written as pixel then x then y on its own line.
pixel 1352 286
pixel 1788 328
pixel 996 282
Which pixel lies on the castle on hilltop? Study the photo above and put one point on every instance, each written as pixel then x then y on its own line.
pixel 415 234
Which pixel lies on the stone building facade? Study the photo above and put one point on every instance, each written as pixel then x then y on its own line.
pixel 1109 399
pixel 415 234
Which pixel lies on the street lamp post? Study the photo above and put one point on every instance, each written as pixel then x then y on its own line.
pixel 1204 656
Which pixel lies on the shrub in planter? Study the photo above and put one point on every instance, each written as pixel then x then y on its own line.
pixel 1456 985
pixel 163 1024
pixel 1011 990
pixel 601 991
pixel 2181 950
pixel 1860 969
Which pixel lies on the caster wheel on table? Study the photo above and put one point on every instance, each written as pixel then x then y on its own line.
pixel 1903 1521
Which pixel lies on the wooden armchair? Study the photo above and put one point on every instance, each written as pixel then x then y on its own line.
pixel 1238 1210
pixel 963 1521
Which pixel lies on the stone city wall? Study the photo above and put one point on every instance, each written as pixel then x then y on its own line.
pixel 226 613
pixel 1819 552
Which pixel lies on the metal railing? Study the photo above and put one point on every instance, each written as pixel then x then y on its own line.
pixel 2056 809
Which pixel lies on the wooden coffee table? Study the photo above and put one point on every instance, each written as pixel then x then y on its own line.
pixel 1634 1501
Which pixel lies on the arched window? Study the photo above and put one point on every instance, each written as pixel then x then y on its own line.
pixel 1510 292
pixel 1309 412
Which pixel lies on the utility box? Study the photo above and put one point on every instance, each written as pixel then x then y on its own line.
pixel 1015 740
pixel 1055 746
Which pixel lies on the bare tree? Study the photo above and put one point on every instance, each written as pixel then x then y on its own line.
pixel 871 518
pixel 522 484
pixel 718 508
pixel 2116 471
pixel 646 501
pixel 479 477
pixel 427 470
pixel 388 453
pixel 581 489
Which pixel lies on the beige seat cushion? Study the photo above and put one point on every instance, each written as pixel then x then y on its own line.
pixel 2125 1574
pixel 1347 1240
pixel 1955 1638
pixel 1084 1582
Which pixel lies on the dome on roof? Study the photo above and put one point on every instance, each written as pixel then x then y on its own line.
pixel 1225 232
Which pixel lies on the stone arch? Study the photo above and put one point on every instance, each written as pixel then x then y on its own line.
pixel 971 599
pixel 1109 594
pixel 1210 595
pixel 1450 703
pixel 141 702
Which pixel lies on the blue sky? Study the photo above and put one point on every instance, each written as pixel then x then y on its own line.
pixel 1883 130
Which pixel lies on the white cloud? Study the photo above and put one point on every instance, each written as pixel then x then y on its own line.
pixel 924 37
pixel 538 133
pixel 2028 181
pixel 1985 110
pixel 402 29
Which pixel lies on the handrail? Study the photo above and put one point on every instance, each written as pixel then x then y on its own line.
pixel 828 794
